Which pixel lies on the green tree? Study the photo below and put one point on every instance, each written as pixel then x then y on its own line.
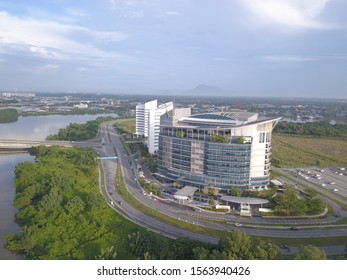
pixel 219 138
pixel 212 202
pixel 237 246
pixel 201 253
pixel 241 140
pixel 309 252
pixel 205 190
pixel 266 251
pixel 109 253
pixel 317 129
pixel 214 191
pixel 180 134
pixel 8 115
pixel 235 191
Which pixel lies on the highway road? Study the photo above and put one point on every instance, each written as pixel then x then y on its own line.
pixel 255 226
pixel 110 167
pixel 331 180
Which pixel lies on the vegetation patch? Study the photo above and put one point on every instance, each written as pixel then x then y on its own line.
pixel 8 115
pixel 290 203
pixel 79 132
pixel 292 151
pixel 61 212
pixel 219 138
pixel 73 111
pixel 126 126
pixel 316 129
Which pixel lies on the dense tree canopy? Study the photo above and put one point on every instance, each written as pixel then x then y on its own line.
pixel 312 129
pixel 8 115
pixel 239 246
pixel 61 212
pixel 79 132
pixel 290 204
pixel 309 253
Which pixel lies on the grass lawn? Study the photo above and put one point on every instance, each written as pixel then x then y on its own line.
pixel 128 125
pixel 298 151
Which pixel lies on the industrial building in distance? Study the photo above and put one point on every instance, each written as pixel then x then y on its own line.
pixel 221 150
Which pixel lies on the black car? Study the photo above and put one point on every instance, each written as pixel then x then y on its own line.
pixel 283 246
pixel 293 228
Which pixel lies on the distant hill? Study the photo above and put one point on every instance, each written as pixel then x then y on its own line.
pixel 206 89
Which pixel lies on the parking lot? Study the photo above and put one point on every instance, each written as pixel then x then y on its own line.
pixel 331 179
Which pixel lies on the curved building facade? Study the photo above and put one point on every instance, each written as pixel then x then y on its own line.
pixel 223 150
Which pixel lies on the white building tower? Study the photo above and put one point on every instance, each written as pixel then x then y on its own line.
pixel 148 122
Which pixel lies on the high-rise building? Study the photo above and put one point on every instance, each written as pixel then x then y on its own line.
pixel 148 122
pixel 222 150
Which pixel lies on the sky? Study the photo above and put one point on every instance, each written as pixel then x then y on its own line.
pixel 284 48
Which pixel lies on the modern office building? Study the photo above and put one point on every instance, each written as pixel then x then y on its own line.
pixel 222 150
pixel 148 122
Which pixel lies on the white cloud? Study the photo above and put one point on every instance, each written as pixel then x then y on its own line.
pixel 221 59
pixel 123 4
pixel 295 14
pixel 77 13
pixel 50 66
pixel 109 36
pixel 49 39
pixel 113 4
pixel 137 14
pixel 287 58
pixel 172 13
pixel 302 58
pixel 83 69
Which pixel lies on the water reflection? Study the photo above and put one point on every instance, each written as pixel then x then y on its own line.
pixel 7 193
pixel 39 127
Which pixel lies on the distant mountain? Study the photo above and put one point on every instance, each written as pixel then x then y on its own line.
pixel 206 89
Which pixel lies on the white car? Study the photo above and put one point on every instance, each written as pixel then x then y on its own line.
pixel 335 190
pixel 238 224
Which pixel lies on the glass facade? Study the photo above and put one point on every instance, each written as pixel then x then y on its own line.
pixel 228 163
pixel 181 154
pixel 200 163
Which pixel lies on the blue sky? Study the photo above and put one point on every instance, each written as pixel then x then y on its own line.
pixel 295 48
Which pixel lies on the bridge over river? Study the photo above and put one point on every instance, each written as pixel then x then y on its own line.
pixel 9 144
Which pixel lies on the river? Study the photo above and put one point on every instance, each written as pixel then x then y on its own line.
pixel 29 128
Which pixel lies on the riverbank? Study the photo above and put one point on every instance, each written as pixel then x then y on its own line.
pixel 7 193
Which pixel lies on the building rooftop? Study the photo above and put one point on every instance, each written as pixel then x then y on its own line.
pixel 211 117
pixel 242 200
pixel 276 183
pixel 228 115
pixel 186 191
